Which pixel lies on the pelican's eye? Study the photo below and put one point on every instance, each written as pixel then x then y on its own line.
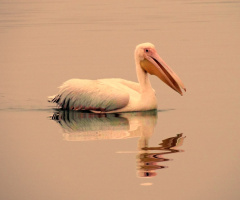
pixel 146 50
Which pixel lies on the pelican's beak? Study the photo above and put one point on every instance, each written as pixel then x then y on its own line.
pixel 154 64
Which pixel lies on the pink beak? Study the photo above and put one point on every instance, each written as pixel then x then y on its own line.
pixel 154 64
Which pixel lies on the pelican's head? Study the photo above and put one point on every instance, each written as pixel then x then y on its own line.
pixel 151 62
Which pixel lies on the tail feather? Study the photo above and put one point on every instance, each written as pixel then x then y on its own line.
pixel 54 98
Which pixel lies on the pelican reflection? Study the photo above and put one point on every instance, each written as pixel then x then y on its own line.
pixel 86 126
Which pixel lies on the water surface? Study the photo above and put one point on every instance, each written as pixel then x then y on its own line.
pixel 188 149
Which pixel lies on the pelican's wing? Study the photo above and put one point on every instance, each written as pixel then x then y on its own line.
pixel 133 85
pixel 77 94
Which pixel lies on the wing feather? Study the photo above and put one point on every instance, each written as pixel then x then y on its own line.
pixel 133 85
pixel 78 94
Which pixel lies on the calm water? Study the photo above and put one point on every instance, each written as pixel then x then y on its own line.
pixel 189 149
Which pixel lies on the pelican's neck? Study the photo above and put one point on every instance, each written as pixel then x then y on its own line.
pixel 142 77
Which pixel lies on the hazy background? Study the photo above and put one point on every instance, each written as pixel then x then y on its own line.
pixel 43 43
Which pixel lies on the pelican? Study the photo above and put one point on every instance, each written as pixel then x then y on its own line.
pixel 118 95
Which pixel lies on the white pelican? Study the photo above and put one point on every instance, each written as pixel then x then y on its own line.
pixel 119 95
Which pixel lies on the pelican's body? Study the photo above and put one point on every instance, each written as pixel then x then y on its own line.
pixel 118 95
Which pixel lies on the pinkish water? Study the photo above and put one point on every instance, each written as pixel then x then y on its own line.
pixel 189 149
